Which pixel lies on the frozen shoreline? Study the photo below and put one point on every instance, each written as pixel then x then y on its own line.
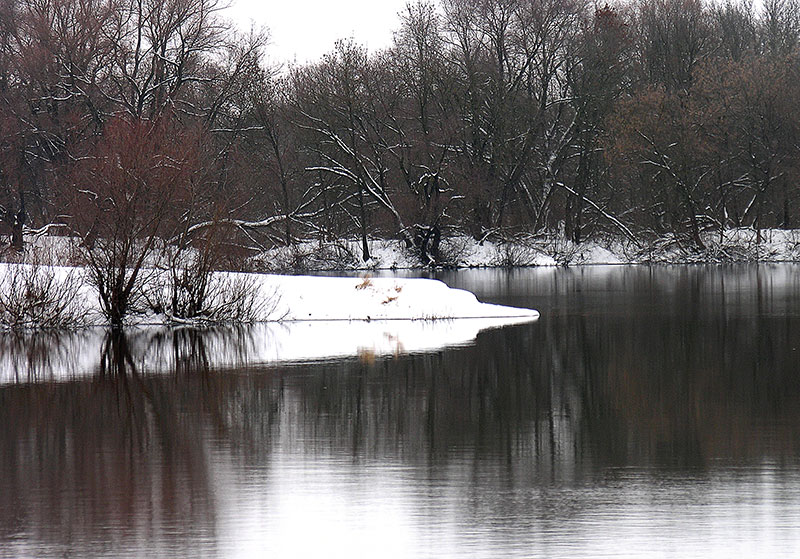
pixel 312 298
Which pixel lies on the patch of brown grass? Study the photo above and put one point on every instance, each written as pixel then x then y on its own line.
pixel 365 283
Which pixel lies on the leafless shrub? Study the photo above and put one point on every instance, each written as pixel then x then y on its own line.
pixel 651 248
pixel 190 291
pixel 563 251
pixel 137 184
pixel 337 255
pixel 452 250
pixel 739 245
pixel 511 254
pixel 311 256
pixel 793 244
pixel 35 297
pixel 523 249
pixel 237 298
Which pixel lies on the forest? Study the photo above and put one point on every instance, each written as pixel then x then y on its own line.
pixel 135 124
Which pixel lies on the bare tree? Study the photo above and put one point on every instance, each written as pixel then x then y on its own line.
pixel 129 195
pixel 779 27
pixel 520 124
pixel 336 108
pixel 596 81
pixel 735 29
pixel 766 138
pixel 422 122
pixel 674 38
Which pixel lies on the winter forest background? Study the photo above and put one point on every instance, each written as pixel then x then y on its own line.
pixel 133 123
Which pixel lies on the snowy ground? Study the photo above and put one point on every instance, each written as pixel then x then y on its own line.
pixel 329 298
pixel 310 298
pixel 735 245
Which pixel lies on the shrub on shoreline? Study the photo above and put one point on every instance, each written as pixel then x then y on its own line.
pixel 39 297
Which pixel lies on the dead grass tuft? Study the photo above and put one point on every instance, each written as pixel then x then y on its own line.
pixel 365 283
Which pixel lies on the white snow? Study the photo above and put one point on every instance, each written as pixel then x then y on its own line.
pixel 328 298
pixel 293 298
pixel 463 251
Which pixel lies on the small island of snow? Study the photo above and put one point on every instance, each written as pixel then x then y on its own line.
pixel 302 322
pixel 275 298
pixel 340 298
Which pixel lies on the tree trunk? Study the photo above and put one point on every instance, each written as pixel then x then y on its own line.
pixel 17 242
pixel 362 210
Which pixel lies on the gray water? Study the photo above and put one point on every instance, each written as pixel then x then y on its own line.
pixel 649 412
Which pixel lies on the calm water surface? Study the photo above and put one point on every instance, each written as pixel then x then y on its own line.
pixel 650 412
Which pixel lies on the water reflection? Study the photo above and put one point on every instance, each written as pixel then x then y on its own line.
pixel 100 464
pixel 699 361
pixel 60 356
pixel 647 412
pixel 34 356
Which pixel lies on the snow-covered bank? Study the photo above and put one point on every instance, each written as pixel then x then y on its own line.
pixel 310 298
pixel 734 245
pixel 329 298
pixel 304 318
pixel 462 251
pixel 67 356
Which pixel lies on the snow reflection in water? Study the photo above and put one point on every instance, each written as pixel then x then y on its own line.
pixel 649 412
pixel 57 356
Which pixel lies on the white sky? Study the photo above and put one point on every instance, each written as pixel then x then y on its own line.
pixel 304 30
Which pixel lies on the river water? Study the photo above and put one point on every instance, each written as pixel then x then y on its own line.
pixel 649 412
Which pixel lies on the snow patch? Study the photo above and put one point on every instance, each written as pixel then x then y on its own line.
pixel 301 298
pixel 326 298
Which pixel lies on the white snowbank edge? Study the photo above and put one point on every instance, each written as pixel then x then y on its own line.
pixel 321 298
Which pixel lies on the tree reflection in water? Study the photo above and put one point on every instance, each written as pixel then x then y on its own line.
pixel 27 356
pixel 673 376
pixel 111 461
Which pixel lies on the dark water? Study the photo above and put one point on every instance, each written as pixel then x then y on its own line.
pixel 650 412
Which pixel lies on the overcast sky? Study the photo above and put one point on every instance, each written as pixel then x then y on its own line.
pixel 304 30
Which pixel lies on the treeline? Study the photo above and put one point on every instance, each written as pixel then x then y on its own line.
pixel 131 124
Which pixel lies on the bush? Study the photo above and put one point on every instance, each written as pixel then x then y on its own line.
pixel 34 296
pixel 189 290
